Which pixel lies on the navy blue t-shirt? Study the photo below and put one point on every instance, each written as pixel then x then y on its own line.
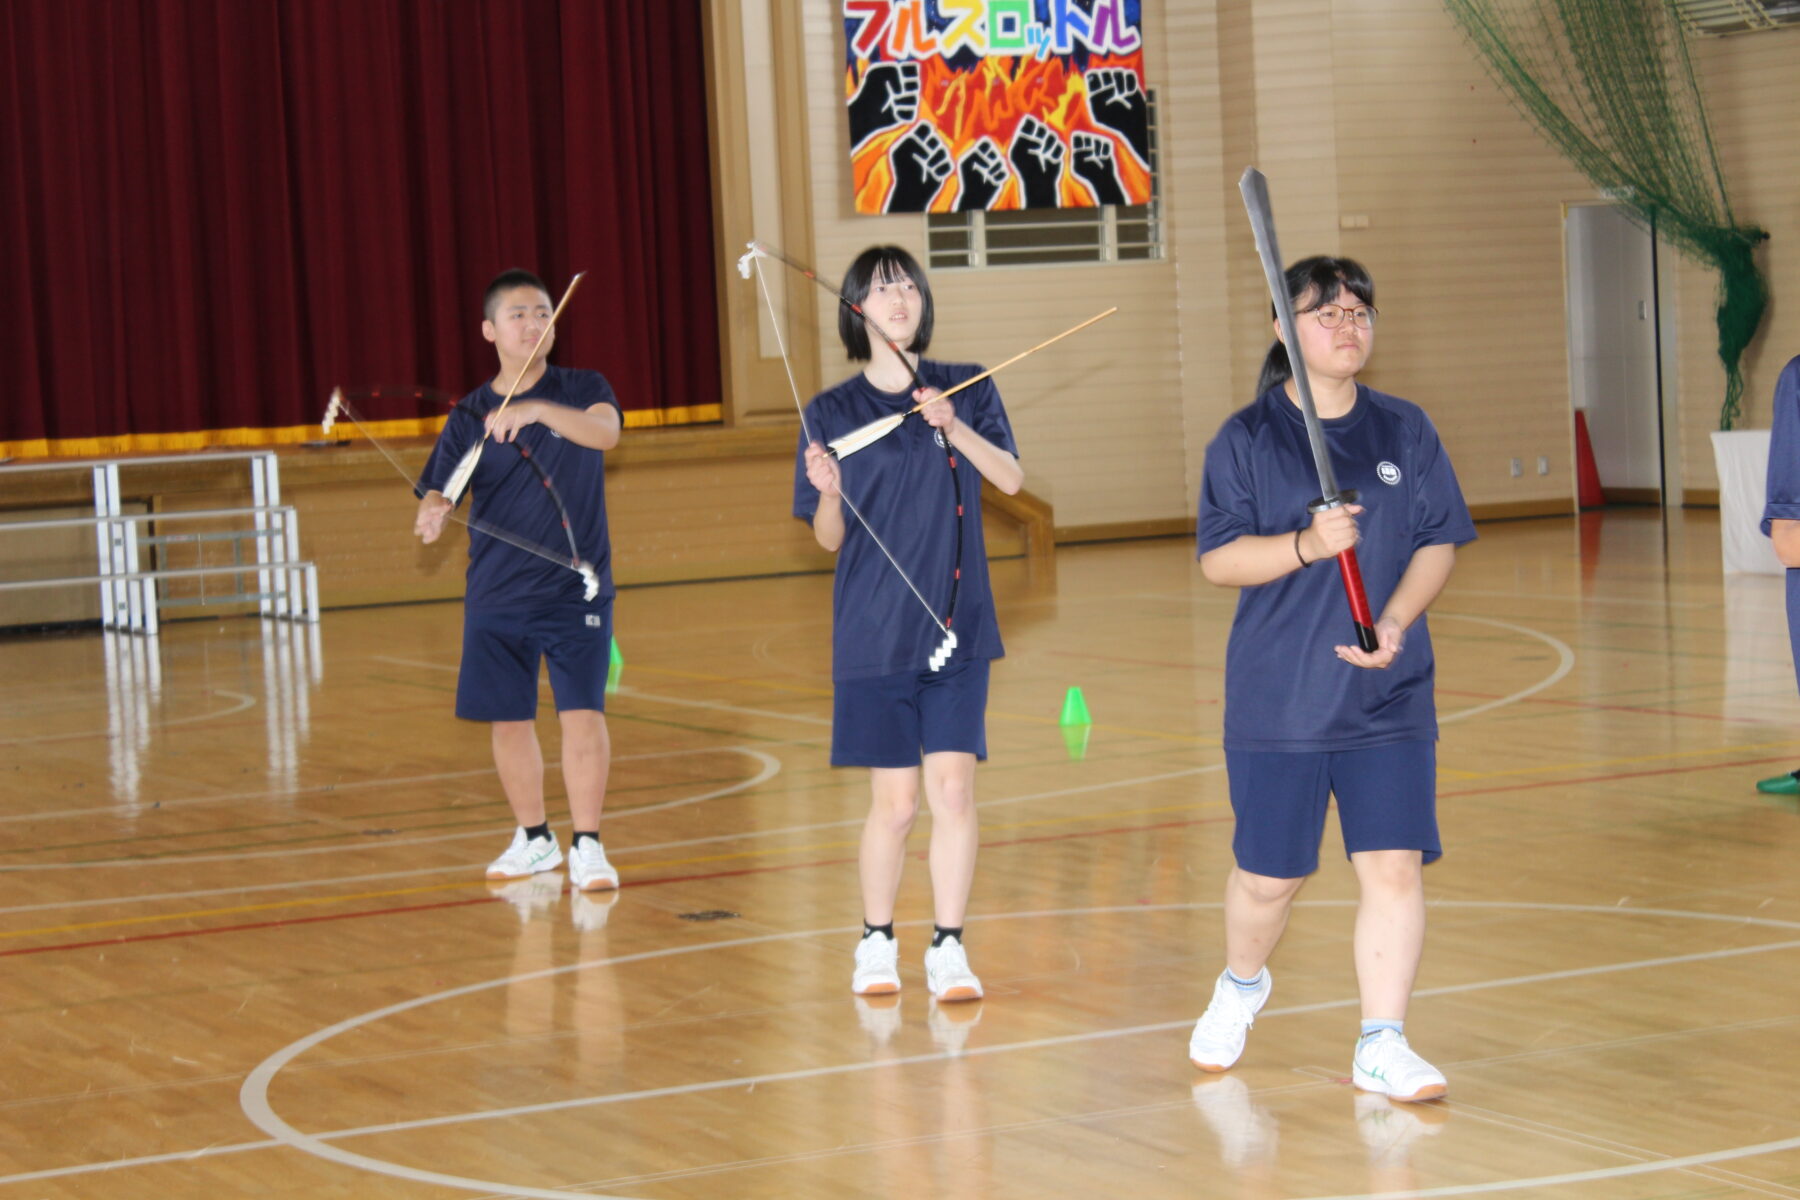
pixel 507 494
pixel 901 484
pixel 1285 688
pixel 1782 500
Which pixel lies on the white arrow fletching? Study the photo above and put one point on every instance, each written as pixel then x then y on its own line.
pixel 465 470
pixel 874 431
pixel 332 410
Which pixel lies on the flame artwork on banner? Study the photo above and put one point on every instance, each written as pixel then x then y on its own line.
pixel 956 105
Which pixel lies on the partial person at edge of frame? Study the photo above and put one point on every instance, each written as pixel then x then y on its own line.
pixel 1781 524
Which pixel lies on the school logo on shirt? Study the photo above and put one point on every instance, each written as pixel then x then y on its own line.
pixel 1387 472
pixel 593 620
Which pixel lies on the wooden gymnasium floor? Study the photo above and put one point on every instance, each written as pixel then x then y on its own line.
pixel 249 952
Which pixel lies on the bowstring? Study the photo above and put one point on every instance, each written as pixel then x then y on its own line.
pixel 473 523
pixel 794 387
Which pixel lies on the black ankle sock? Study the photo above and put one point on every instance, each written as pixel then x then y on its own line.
pixel 582 833
pixel 537 831
pixel 939 933
pixel 887 929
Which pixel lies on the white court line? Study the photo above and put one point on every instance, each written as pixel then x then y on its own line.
pixel 235 1148
pixel 679 701
pixel 243 702
pixel 771 767
pixel 253 1096
pixel 1565 664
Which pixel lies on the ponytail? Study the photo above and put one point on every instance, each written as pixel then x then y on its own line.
pixel 1276 368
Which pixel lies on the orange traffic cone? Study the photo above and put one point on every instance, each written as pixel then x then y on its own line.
pixel 1587 475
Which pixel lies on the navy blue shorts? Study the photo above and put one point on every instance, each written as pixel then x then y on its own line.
pixel 892 720
pixel 502 648
pixel 1386 800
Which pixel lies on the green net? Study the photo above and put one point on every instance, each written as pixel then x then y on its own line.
pixel 1609 82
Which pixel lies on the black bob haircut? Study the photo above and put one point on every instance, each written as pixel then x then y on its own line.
pixel 1315 280
pixel 506 281
pixel 884 264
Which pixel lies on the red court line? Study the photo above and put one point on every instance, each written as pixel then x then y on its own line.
pixel 833 862
pixel 130 939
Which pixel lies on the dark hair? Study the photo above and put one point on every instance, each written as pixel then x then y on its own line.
pixel 1320 277
pixel 883 263
pixel 506 281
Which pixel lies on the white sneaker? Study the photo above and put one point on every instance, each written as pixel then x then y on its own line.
pixel 1246 1130
pixel 529 897
pixel 1218 1039
pixel 1386 1065
pixel 877 966
pixel 588 869
pixel 526 856
pixel 947 972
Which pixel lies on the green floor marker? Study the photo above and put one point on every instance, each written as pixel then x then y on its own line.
pixel 1076 724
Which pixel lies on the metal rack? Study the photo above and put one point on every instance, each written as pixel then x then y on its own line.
pixel 286 587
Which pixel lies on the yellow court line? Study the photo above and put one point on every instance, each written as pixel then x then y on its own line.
pixel 698 860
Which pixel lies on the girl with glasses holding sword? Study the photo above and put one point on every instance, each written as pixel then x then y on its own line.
pixel 1308 717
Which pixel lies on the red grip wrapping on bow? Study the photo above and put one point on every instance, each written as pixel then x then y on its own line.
pixel 1359 601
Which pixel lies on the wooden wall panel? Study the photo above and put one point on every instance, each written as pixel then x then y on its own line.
pixel 1384 139
pixel 1459 205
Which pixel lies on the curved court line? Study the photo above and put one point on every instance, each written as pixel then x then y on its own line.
pixel 770 767
pixel 1563 667
pixel 253 1096
pixel 722 706
pixel 243 702
pixel 319 881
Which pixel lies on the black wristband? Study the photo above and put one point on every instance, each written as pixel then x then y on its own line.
pixel 1297 553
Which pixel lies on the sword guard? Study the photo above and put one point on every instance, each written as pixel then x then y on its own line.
pixel 1319 505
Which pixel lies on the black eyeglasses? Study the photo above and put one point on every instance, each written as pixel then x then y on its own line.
pixel 1332 315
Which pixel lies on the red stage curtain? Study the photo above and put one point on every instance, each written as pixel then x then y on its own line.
pixel 216 210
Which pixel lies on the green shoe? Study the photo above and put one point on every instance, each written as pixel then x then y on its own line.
pixel 1781 785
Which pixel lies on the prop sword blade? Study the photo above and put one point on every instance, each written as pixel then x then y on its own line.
pixel 1255 190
